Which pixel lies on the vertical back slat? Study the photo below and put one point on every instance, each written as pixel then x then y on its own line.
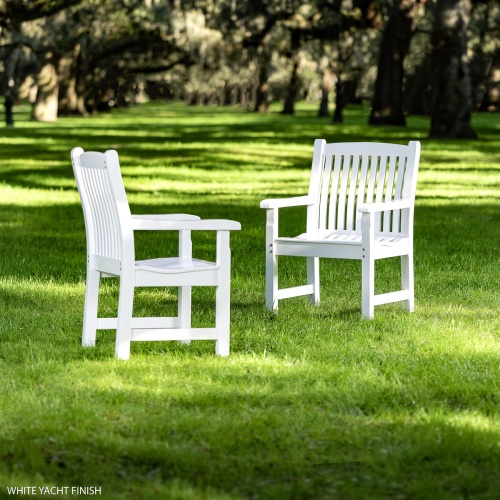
pixel 389 193
pixel 105 224
pixel 325 183
pixel 398 192
pixel 334 191
pixel 114 225
pixel 361 189
pixel 342 193
pixel 351 198
pixel 372 179
pixel 379 194
pixel 90 187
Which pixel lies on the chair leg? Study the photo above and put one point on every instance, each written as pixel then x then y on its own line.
pixel 222 320
pixel 223 295
pixel 271 280
pixel 313 278
pixel 184 309
pixel 368 287
pixel 90 308
pixel 124 326
pixel 407 282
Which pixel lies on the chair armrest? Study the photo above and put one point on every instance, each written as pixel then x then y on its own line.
pixel 152 217
pixel 295 201
pixel 147 224
pixel 154 221
pixel 369 208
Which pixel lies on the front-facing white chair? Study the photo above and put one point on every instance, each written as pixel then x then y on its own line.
pixel 360 206
pixel 110 229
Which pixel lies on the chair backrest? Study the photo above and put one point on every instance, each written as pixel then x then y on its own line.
pixel 346 175
pixel 105 207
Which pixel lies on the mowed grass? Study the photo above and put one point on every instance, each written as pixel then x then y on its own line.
pixel 312 403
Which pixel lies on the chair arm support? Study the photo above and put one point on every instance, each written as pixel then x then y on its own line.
pixel 369 208
pixel 295 201
pixel 147 224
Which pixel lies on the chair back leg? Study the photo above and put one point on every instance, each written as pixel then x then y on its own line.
pixel 90 308
pixel 124 324
pixel 184 309
pixel 223 294
pixel 222 318
pixel 313 278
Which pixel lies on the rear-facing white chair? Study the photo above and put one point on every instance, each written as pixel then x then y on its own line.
pixel 110 252
pixel 360 206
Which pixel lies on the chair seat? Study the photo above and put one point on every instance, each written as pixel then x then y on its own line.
pixel 175 265
pixel 328 236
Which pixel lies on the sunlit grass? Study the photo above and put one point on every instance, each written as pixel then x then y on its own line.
pixel 313 402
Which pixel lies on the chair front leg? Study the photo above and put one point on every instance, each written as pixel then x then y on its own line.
pixel 184 292
pixel 367 287
pixel 367 266
pixel 124 326
pixel 90 307
pixel 223 295
pixel 271 260
pixel 407 281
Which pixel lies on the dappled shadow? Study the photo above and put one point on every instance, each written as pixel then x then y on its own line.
pixel 58 234
pixel 302 405
pixel 126 426
pixel 205 138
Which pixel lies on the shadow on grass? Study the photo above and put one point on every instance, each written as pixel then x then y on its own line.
pixel 312 403
pixel 356 431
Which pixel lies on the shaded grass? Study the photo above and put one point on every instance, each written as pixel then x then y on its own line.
pixel 313 402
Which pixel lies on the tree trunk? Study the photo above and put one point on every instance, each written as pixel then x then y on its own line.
pixel 262 99
pixel 345 93
pixel 77 85
pixel 9 116
pixel 46 104
pixel 387 106
pixel 293 88
pixel 491 100
pixel 10 90
pixel 294 85
pixel 416 97
pixel 327 80
pixel 451 100
pixel 338 115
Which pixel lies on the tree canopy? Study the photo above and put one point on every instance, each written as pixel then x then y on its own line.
pixel 399 56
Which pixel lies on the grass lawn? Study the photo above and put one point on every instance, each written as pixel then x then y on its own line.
pixel 312 403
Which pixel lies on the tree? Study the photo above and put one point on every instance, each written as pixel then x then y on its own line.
pixel 294 84
pixel 451 99
pixel 484 48
pixel 387 105
pixel 14 16
pixel 357 45
pixel 15 12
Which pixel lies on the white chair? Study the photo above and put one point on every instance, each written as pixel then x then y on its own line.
pixel 360 205
pixel 110 253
